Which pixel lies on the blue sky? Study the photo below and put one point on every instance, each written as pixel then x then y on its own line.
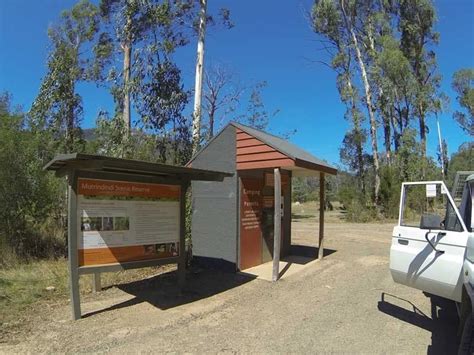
pixel 271 41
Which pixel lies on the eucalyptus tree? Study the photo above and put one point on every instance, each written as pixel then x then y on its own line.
pixel 327 21
pixel 197 111
pixel 58 107
pixel 394 76
pixel 134 57
pixel 463 85
pixel 204 18
pixel 126 22
pixel 417 39
pixel 339 22
pixel 160 98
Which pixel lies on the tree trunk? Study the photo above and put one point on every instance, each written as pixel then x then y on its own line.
pixel 396 134
pixel 212 113
pixel 127 53
pixel 368 99
pixel 382 100
pixel 387 138
pixel 357 130
pixel 422 140
pixel 198 85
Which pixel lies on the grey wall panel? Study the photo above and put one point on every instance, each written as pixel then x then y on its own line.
pixel 214 219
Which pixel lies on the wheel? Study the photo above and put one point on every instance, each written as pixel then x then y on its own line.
pixel 466 345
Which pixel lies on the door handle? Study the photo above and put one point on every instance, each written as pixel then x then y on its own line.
pixel 431 244
pixel 403 241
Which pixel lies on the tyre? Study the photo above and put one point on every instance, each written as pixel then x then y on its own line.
pixel 466 345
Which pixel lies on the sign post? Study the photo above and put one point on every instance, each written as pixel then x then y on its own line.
pixel 124 214
pixel 72 246
pixel 116 224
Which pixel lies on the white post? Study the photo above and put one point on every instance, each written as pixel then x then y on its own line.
pixel 198 84
pixel 277 225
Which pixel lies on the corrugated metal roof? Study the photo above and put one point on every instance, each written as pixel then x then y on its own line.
pixel 86 162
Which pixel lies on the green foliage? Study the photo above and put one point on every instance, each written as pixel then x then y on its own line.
pixel 463 85
pixel 305 189
pixel 355 202
pixel 30 199
pixel 386 50
pixel 151 30
pixel 58 107
pixel 462 160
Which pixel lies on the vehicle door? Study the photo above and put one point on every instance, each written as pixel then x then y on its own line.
pixel 429 242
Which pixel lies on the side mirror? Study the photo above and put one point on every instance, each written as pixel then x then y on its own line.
pixel 430 221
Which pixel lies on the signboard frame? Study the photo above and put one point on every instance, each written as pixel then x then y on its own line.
pixel 73 251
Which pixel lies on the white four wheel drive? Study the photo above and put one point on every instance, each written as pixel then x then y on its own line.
pixel 433 245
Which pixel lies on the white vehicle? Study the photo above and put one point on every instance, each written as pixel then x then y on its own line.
pixel 433 246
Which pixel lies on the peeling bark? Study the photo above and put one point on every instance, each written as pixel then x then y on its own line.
pixel 368 99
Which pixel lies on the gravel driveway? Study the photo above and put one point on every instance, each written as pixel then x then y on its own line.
pixel 345 303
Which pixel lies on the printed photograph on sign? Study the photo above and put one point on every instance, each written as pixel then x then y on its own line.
pixel 123 221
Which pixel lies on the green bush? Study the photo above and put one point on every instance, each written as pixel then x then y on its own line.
pixel 31 200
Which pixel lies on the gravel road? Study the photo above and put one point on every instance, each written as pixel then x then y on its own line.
pixel 346 303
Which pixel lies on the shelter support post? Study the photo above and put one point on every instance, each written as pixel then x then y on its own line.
pixel 277 225
pixel 72 249
pixel 182 236
pixel 96 284
pixel 321 215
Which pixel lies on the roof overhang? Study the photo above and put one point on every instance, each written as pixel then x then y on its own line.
pixel 63 164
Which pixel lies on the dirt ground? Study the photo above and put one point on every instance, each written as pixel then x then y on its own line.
pixel 344 303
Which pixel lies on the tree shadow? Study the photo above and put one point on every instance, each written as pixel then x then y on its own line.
pixel 442 322
pixel 162 291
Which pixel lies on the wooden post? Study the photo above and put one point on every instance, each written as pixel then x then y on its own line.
pixel 182 236
pixel 96 284
pixel 72 247
pixel 321 216
pixel 277 225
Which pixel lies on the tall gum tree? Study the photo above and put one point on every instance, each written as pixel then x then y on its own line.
pixel 416 26
pixel 349 23
pixel 58 107
pixel 327 21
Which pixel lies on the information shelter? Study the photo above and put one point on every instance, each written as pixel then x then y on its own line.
pixel 234 223
pixel 124 214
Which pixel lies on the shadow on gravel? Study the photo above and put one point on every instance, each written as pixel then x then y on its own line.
pixel 308 251
pixel 162 291
pixel 442 322
pixel 295 216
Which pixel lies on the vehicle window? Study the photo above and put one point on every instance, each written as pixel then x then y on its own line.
pixel 428 199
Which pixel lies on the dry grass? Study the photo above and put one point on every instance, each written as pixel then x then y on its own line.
pixel 310 209
pixel 26 286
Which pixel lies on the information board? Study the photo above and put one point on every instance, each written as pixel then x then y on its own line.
pixel 126 221
pixel 251 222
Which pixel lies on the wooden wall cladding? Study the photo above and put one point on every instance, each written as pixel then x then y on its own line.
pixel 254 154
